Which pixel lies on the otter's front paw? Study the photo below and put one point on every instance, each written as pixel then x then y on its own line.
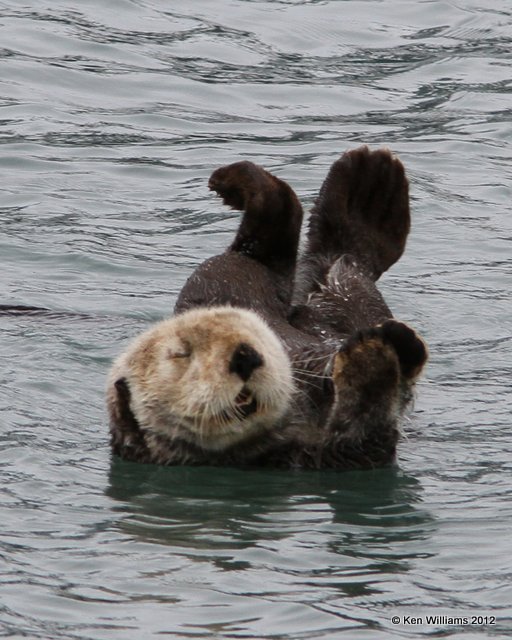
pixel 366 369
pixel 411 350
pixel 373 373
pixel 368 350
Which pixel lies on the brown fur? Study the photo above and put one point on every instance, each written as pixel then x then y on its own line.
pixel 280 360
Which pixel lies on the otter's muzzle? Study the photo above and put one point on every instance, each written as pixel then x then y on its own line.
pixel 244 361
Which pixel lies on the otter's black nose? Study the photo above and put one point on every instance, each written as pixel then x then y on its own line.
pixel 244 360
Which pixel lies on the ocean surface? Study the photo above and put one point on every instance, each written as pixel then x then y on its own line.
pixel 112 117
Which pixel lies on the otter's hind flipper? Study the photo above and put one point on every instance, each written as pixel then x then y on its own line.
pixel 270 228
pixel 362 210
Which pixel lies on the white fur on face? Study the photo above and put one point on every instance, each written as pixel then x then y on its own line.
pixel 180 382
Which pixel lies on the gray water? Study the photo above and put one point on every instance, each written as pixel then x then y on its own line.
pixel 112 116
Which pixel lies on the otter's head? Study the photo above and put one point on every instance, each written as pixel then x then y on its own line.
pixel 213 376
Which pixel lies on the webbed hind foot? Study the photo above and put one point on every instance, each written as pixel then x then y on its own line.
pixel 362 210
pixel 270 227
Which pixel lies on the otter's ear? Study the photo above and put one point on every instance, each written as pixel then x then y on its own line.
pixel 270 227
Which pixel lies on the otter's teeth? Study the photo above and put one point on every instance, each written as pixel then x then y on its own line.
pixel 246 403
pixel 244 398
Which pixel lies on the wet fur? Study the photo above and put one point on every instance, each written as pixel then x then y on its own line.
pixel 353 366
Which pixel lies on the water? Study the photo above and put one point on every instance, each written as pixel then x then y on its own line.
pixel 113 115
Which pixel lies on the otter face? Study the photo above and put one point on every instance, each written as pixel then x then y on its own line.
pixel 212 376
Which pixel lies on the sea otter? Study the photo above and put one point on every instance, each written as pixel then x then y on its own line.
pixel 274 358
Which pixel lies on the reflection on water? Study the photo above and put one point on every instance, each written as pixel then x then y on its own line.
pixel 112 117
pixel 324 536
pixel 170 504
